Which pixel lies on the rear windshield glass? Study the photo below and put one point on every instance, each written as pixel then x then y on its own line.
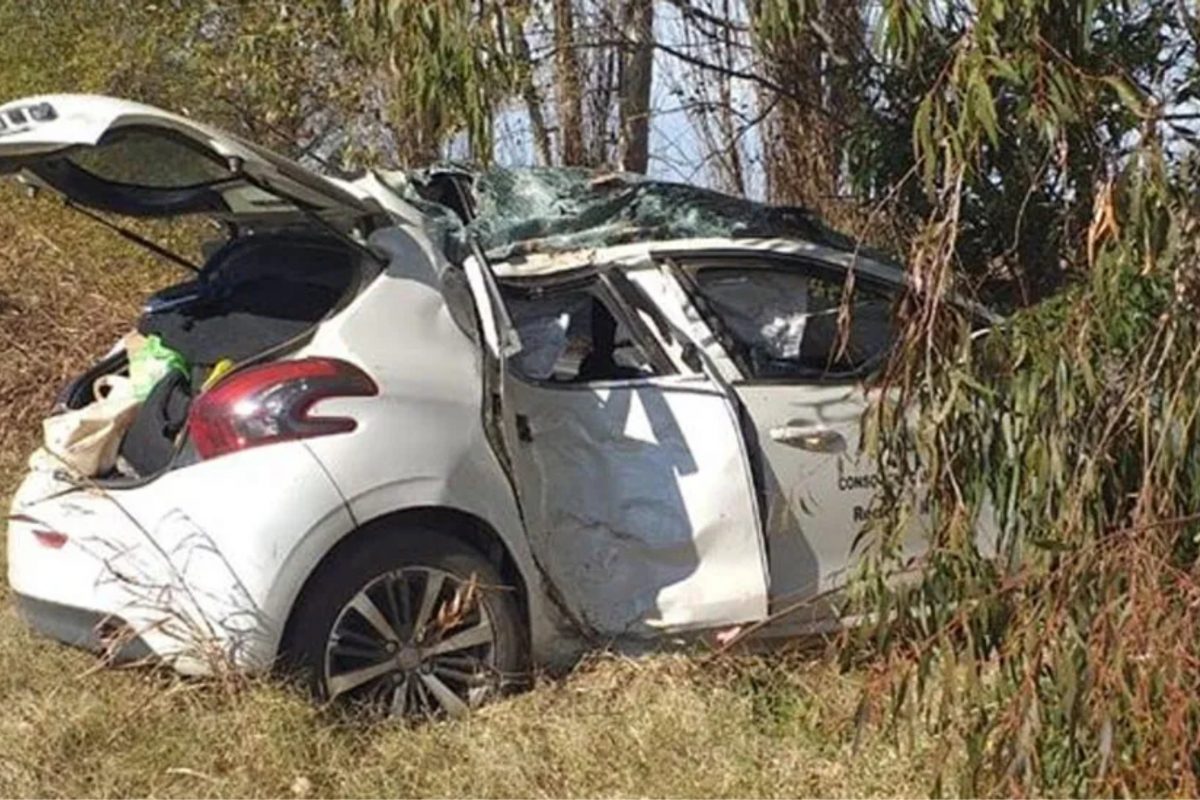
pixel 137 157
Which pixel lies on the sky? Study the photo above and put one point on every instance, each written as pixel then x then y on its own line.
pixel 677 148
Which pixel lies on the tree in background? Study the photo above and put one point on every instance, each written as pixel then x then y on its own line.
pixel 452 67
pixel 568 91
pixel 636 78
pixel 1060 648
pixel 283 73
pixel 819 56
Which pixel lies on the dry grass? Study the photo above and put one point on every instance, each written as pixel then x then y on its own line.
pixel 667 725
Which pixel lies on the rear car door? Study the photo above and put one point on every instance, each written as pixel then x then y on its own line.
pixel 632 475
pixel 801 388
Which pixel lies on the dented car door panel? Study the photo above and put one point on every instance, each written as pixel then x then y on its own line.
pixel 818 487
pixel 639 505
pixel 637 495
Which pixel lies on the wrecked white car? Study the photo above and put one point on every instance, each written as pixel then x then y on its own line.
pixel 432 431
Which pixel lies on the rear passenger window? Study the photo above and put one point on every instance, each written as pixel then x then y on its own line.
pixel 573 337
pixel 783 323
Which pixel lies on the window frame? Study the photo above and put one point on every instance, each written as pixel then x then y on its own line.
pixel 686 266
pixel 607 291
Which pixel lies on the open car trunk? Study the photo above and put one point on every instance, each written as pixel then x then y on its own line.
pixel 257 298
pixel 295 255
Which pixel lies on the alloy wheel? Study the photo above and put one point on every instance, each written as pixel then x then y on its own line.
pixel 414 642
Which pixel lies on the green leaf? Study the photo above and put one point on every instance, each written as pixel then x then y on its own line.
pixel 1129 95
pixel 983 106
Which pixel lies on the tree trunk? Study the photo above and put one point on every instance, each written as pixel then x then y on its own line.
pixel 731 162
pixel 532 97
pixel 568 91
pixel 803 146
pixel 603 71
pixel 636 79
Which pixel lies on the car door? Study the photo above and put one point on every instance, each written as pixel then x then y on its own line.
pixel 801 387
pixel 632 475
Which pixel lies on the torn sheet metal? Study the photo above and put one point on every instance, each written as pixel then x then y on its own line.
pixel 639 505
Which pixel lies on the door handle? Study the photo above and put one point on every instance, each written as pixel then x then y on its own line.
pixel 809 437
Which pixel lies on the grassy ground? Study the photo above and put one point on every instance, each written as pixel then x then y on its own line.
pixel 667 725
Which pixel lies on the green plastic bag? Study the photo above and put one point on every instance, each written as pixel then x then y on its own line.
pixel 149 362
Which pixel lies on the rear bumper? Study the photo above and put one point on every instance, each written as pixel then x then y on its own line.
pixel 194 563
pixel 88 630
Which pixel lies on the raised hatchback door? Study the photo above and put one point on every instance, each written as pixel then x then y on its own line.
pixel 132 159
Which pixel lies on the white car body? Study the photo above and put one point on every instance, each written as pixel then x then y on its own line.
pixel 692 500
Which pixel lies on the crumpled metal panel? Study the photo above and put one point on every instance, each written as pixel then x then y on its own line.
pixel 639 505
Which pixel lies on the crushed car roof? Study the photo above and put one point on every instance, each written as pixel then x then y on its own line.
pixel 514 212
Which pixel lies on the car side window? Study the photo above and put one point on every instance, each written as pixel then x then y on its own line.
pixel 574 337
pixel 783 322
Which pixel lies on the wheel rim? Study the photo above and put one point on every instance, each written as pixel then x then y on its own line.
pixel 415 642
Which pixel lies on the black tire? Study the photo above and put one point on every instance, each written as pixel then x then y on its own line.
pixel 326 637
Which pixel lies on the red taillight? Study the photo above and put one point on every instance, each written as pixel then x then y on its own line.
pixel 270 403
pixel 52 539
pixel 45 537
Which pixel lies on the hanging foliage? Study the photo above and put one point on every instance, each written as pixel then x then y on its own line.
pixel 1053 627
pixel 449 67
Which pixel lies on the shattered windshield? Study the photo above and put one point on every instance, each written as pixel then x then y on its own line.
pixel 561 209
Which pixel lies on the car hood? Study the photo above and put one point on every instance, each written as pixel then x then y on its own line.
pixel 132 159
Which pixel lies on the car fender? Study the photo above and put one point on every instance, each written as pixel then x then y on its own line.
pixel 420 442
